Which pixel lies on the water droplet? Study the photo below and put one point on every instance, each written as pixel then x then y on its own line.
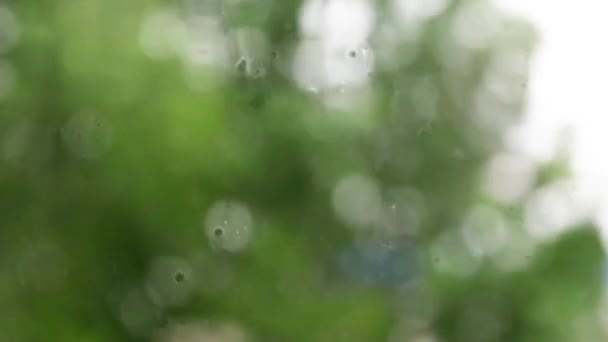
pixel 228 225
pixel 258 70
pixel 349 67
pixel 251 44
pixel 170 281
pixel 241 65
pixel 180 276
pixel 251 68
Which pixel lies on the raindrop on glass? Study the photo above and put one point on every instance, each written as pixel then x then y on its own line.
pixel 170 281
pixel 349 67
pixel 251 68
pixel 228 225
pixel 251 46
pixel 241 66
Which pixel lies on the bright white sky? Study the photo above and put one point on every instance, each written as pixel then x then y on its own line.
pixel 568 89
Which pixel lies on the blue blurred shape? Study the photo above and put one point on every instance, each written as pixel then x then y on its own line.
pixel 386 263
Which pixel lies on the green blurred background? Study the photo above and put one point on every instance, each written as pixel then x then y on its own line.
pixel 169 171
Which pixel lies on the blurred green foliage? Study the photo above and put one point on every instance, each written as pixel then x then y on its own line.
pixel 135 184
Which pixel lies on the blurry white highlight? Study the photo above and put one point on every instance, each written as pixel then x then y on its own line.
pixel 357 200
pixel 205 43
pixel 508 177
pixel 502 90
pixel 553 209
pixel 340 23
pixel 334 51
pixel 485 230
pixel 567 93
pixel 162 34
pixel 506 75
pixel 347 22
